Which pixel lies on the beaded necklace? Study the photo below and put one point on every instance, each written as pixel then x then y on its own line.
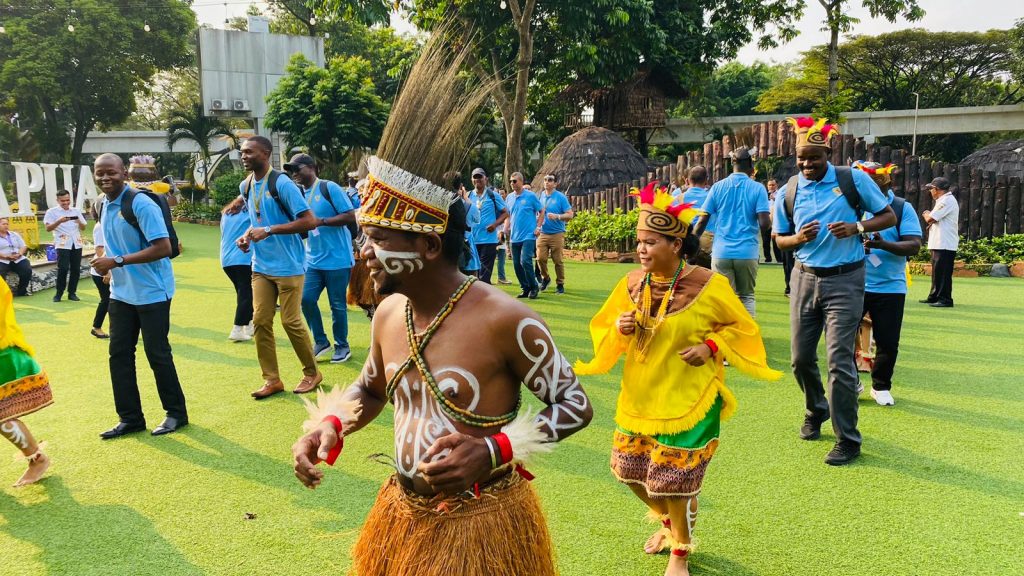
pixel 645 328
pixel 418 343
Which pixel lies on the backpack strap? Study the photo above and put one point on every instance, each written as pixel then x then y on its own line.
pixel 790 200
pixel 844 175
pixel 128 210
pixel 898 204
pixel 274 175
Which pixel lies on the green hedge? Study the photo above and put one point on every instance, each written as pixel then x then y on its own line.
pixel 615 232
pixel 195 211
pixel 224 188
pixel 1004 249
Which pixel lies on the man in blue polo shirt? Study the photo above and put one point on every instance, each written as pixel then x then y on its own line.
pixel 527 219
pixel 493 214
pixel 885 291
pixel 824 229
pixel 741 205
pixel 551 243
pixel 141 289
pixel 696 193
pixel 278 264
pixel 329 257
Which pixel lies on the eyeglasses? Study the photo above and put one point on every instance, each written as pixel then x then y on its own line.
pixel 549 179
pixel 513 181
pixel 477 176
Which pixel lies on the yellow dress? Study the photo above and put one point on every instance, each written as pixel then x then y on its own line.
pixel 668 411
pixel 24 386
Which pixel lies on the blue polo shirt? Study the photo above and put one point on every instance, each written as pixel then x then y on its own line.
pixel 278 254
pixel 888 274
pixel 472 223
pixel 736 201
pixel 555 203
pixel 823 201
pixel 489 205
pixel 524 216
pixel 696 195
pixel 137 284
pixel 353 196
pixel 329 247
pixel 233 227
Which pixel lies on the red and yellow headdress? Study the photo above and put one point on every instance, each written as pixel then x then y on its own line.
pixel 882 175
pixel 659 213
pixel 396 198
pixel 811 132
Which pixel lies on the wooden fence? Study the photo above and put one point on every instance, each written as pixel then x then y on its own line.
pixel 990 204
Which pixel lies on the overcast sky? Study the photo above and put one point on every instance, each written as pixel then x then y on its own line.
pixel 946 15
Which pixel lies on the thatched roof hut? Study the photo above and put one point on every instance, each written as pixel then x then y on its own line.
pixel 1002 158
pixel 591 160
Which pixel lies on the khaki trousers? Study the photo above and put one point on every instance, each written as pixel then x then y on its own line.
pixel 266 290
pixel 551 245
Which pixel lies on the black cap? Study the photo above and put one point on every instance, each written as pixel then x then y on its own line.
pixel 479 172
pixel 298 161
pixel 940 183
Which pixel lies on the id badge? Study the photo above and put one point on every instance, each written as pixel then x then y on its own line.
pixel 874 260
pixel 314 232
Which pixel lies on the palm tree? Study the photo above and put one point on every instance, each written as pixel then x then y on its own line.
pixel 194 125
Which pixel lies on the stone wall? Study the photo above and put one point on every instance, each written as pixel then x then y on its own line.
pixel 44 275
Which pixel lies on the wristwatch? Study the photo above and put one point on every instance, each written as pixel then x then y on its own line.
pixel 119 261
pixel 267 230
pixel 860 227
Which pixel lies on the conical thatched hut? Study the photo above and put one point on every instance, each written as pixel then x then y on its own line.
pixel 1002 158
pixel 591 160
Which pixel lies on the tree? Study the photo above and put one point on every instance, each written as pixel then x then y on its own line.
pixel 193 125
pixel 837 20
pixel 565 41
pixel 327 111
pixel 73 65
pixel 169 92
pixel 731 90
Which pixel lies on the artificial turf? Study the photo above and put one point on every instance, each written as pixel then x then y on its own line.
pixel 939 488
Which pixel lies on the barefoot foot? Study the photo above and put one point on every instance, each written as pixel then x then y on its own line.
pixel 36 468
pixel 677 566
pixel 658 542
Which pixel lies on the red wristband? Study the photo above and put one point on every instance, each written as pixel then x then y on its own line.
pixel 504 446
pixel 711 344
pixel 332 456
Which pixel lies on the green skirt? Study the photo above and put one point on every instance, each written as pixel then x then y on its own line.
pixel 24 386
pixel 668 465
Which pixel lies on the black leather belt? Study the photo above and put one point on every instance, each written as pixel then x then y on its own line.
pixel 833 271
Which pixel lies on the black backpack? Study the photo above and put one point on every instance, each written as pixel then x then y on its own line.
pixel 128 212
pixel 849 189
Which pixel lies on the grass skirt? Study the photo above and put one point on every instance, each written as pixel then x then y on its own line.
pixel 24 386
pixel 503 533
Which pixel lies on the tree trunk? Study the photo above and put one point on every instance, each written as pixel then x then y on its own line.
pixel 514 125
pixel 833 49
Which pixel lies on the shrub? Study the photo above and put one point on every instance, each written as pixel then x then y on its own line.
pixel 195 211
pixel 615 232
pixel 1005 249
pixel 224 188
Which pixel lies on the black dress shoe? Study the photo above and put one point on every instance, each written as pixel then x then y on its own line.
pixel 523 294
pixel 532 295
pixel 941 304
pixel 122 429
pixel 926 301
pixel 842 453
pixel 544 284
pixel 811 430
pixel 74 298
pixel 56 298
pixel 169 425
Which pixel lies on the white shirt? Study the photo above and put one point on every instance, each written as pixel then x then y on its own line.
pixel 68 235
pixel 97 240
pixel 944 234
pixel 12 245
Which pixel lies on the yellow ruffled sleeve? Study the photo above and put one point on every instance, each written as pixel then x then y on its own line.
pixel 736 334
pixel 10 333
pixel 609 344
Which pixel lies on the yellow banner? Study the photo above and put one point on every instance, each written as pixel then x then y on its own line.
pixel 28 227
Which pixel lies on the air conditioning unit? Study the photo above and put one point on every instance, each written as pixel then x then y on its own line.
pixel 219 105
pixel 240 105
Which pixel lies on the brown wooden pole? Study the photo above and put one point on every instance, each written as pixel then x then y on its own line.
pixel 860 150
pixel 988 197
pixel 1013 205
pixel 899 178
pixel 912 183
pixel 999 207
pixel 976 202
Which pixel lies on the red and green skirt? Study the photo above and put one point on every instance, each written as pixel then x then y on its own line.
pixel 668 465
pixel 24 386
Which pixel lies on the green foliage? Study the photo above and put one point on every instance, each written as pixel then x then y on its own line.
pixel 731 90
pixel 1003 249
pixel 598 230
pixel 327 111
pixel 64 83
pixel 193 125
pixel 224 187
pixel 196 211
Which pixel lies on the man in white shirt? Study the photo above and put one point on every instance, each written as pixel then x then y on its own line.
pixel 12 258
pixel 66 223
pixel 943 240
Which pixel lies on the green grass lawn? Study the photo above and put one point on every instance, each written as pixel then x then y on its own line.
pixel 939 488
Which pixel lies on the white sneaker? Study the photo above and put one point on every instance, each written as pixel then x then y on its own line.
pixel 250 329
pixel 239 334
pixel 883 397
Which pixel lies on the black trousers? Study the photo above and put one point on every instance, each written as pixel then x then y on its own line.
pixel 787 258
pixel 487 253
pixel 942 276
pixel 766 245
pixel 241 278
pixel 69 269
pixel 101 309
pixel 154 322
pixel 887 321
pixel 24 271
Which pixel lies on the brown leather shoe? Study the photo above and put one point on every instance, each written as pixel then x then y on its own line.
pixel 270 387
pixel 309 383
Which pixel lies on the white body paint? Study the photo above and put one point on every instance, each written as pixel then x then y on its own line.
pixel 552 380
pixel 396 262
pixel 15 434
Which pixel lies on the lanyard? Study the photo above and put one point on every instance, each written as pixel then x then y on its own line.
pixel 259 193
